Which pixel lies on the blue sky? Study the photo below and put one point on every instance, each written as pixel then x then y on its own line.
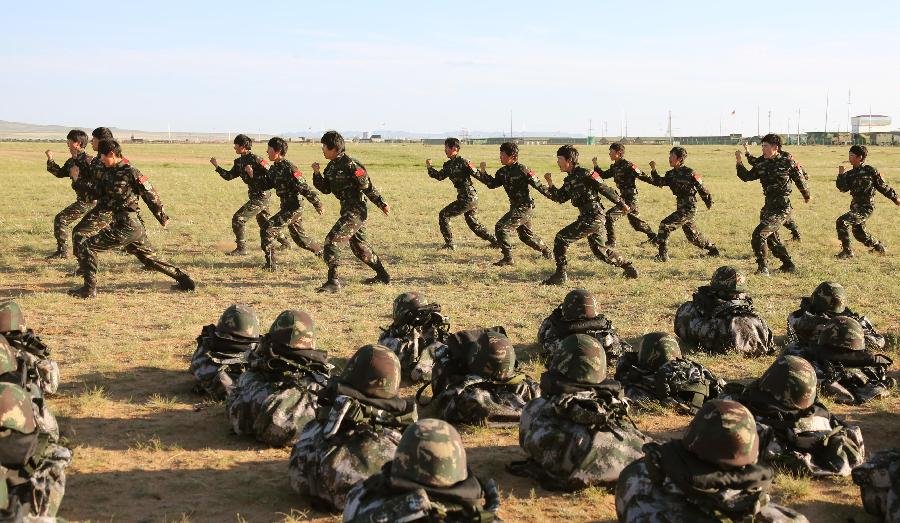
pixel 434 67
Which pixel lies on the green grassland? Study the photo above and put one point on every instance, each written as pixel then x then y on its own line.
pixel 148 449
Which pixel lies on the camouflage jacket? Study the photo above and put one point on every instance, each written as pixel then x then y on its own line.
pixel 415 345
pixel 679 383
pixel 625 175
pixel 515 180
pixel 554 329
pixel 685 184
pixel 803 326
pixel 460 173
pixel 119 188
pixel 83 181
pixel 671 484
pixel 348 180
pixel 879 484
pixel 776 175
pixel 753 160
pixel 862 182
pixel 258 184
pixel 584 189
pixel 849 376
pixel 289 185
pixel 383 497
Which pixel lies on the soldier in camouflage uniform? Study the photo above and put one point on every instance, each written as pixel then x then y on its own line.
pixel 775 173
pixel 879 484
pixel 33 463
pixel 276 397
pixel 221 357
pixel 624 174
pixel 515 179
pixel 828 300
pixel 583 188
pixel 846 370
pixel 709 476
pixel 252 170
pixel 578 433
pixel 861 182
pixel 428 480
pixel 685 183
pixel 78 169
pixel 120 185
pixel 790 224
pixel 97 218
pixel 477 381
pixel 460 173
pixel 357 428
pixel 348 180
pixel 417 331
pixel 579 314
pixel 289 185
pixel 32 353
pixel 720 317
pixel 658 372
pixel 796 432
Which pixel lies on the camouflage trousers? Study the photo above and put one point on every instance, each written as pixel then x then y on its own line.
pixel 765 236
pixel 274 416
pixel 469 210
pixel 350 228
pixel 90 225
pixel 634 220
pixel 683 218
pixel 325 468
pixel 791 225
pixel 255 207
pixel 518 218
pixel 588 225
pixel 126 231
pixel 72 213
pixel 293 220
pixel 855 220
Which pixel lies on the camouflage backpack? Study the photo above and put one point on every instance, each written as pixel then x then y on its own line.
pixel 723 433
pixel 12 319
pixel 790 380
pixel 19 435
pixel 413 308
pixel 8 361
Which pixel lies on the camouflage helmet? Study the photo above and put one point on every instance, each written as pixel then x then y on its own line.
pixel 11 317
pixel 407 304
pixel 792 381
pixel 430 453
pixel 375 371
pixel 293 329
pixel 728 279
pixel 656 349
pixel 579 304
pixel 723 432
pixel 16 409
pixel 580 358
pixel 494 357
pixel 239 323
pixel 842 332
pixel 829 297
pixel 8 361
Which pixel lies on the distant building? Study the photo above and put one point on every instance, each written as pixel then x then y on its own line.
pixel 870 123
pixel 376 138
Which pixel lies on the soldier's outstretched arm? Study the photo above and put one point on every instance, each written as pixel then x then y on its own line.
pixel 372 193
pixel 536 183
pixel 703 191
pixel 797 177
pixel 142 184
pixel 231 174
pixel 885 189
pixel 54 168
pixel 655 178
pixel 436 174
pixel 319 181
pixel 746 175
pixel 557 194
pixel 491 182
pixel 843 179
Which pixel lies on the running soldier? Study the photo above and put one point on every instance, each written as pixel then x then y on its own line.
pixel 460 173
pixel 78 169
pixel 624 174
pixel 790 224
pixel 96 219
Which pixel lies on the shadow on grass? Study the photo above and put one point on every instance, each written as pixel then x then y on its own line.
pixel 135 385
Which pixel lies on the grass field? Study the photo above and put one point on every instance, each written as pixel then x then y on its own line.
pixel 147 449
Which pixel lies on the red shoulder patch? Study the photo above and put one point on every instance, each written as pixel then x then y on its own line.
pixel 635 168
pixel 125 161
pixel 595 175
pixel 142 179
pixel 263 162
pixel 531 173
pixel 697 176
pixel 298 174
pixel 359 172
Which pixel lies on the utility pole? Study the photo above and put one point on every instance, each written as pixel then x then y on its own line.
pixel 510 126
pixel 798 126
pixel 826 112
pixel 669 129
pixel 757 120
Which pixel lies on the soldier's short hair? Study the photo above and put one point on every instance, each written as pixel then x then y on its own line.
pixel 569 152
pixel 78 136
pixel 451 143
pixel 618 147
pixel 109 146
pixel 333 140
pixel 772 139
pixel 242 140
pixel 102 133
pixel 860 150
pixel 279 145
pixel 679 152
pixel 509 149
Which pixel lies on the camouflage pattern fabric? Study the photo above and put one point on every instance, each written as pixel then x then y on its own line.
pixel 678 383
pixel 33 357
pixel 804 325
pixel 415 347
pixel 862 183
pixel 720 324
pixel 685 184
pixel 69 215
pixel 879 484
pixel 216 373
pixel 518 219
pixel 625 174
pixel 41 491
pixel 289 185
pixel 460 173
pixel 516 179
pixel 90 225
pixel 257 205
pixel 790 224
pixel 555 328
pixel 78 169
pixel 348 180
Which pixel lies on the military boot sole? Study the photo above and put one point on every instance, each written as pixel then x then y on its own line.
pixel 374 280
pixel 83 292
pixel 788 268
pixel 58 255
pixel 556 278
pixel 185 283
pixel 330 287
pixel 844 255
pixel 505 262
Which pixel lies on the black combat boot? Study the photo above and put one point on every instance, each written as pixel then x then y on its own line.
pixel 60 254
pixel 381 275
pixel 507 259
pixel 86 291
pixel 449 246
pixel 762 269
pixel 240 250
pixel 712 250
pixel 557 278
pixel 878 248
pixel 271 264
pixel 547 253
pixel 788 266
pixel 651 238
pixel 185 283
pixel 663 255
pixel 332 284
pixel 629 271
